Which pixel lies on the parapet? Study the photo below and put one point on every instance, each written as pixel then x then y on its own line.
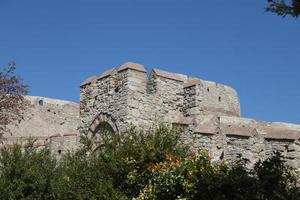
pixel 40 101
pixel 107 73
pixel 169 75
pixel 197 96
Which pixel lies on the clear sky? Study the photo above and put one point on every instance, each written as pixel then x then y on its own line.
pixel 59 43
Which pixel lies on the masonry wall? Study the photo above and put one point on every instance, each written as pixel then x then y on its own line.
pixel 206 97
pixel 238 147
pixel 209 111
pixel 129 96
pixel 156 100
pixel 58 144
pixel 105 95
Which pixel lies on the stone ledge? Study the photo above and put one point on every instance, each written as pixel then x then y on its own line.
pixel 191 83
pixel 169 75
pixel 277 134
pixel 221 110
pixel 107 73
pixel 181 120
pixel 133 66
pixel 238 131
pixel 56 135
pixel 89 81
pixel 70 134
pixel 206 129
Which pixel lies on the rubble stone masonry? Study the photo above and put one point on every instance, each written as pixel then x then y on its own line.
pixel 208 112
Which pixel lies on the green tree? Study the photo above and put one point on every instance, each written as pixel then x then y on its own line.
pixel 284 8
pixel 26 172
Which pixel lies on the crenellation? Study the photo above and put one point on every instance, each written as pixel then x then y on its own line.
pixel 208 111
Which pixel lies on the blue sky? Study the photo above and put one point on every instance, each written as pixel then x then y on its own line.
pixel 58 43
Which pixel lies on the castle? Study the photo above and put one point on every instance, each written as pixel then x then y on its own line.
pixel 208 112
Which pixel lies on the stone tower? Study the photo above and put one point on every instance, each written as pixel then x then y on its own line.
pixel 208 111
pixel 128 95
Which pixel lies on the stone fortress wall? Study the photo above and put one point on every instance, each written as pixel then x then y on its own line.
pixel 208 111
pixel 48 121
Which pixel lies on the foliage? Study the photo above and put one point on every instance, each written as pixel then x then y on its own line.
pixel 196 178
pixel 12 102
pixel 282 8
pixel 141 166
pixel 81 177
pixel 125 158
pixel 26 172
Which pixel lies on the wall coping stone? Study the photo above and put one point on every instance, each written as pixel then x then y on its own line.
pixel 56 135
pixel 206 129
pixel 191 83
pixel 181 120
pixel 89 81
pixel 282 134
pixel 233 130
pixel 169 75
pixel 133 66
pixel 70 134
pixel 215 110
pixel 107 73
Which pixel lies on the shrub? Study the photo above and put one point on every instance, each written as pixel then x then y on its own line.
pixel 80 176
pixel 196 178
pixel 139 165
pixel 125 158
pixel 26 173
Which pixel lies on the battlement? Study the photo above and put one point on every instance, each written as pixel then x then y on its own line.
pixel 130 95
pixel 208 111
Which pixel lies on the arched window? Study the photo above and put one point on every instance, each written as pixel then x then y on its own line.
pixel 41 102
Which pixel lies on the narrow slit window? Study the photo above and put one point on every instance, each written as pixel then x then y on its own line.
pixel 220 99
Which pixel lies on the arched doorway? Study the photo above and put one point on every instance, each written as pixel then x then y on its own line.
pixel 103 123
pixel 104 128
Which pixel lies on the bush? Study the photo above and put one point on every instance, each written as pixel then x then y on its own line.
pixel 125 158
pixel 196 178
pixel 26 173
pixel 81 177
pixel 141 166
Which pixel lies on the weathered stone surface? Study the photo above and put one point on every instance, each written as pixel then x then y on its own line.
pixel 44 120
pixel 169 75
pixel 134 66
pixel 206 129
pixel 209 112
